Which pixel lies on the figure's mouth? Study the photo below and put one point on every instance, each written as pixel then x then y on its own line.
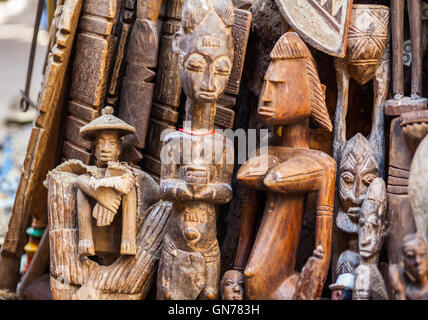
pixel 266 111
pixel 207 96
pixel 354 212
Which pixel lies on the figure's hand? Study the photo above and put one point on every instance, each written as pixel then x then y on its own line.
pixel 196 175
pixel 310 282
pixel 220 193
pixel 108 198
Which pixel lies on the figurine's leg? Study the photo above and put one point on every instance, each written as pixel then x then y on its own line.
pixel 416 37
pixel 342 78
pixel 129 223
pixel 210 291
pixel 86 243
pixel 377 134
pixel 397 26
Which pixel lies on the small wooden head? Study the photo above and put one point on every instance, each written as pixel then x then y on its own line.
pixel 415 257
pixel 373 225
pixel 358 168
pixel 232 285
pixel 204 46
pixel 292 91
pixel 106 131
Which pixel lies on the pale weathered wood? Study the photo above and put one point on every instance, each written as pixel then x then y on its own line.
pixel 322 24
pixel 190 262
pixel 41 151
pixel 373 228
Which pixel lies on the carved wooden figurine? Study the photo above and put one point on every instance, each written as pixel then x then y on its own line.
pixel 41 151
pixel 410 281
pixel 232 285
pixel 103 211
pixel 373 228
pixel 292 93
pixel 358 167
pixel 190 261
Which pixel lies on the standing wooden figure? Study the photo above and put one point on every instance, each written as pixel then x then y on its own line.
pixel 410 282
pixel 369 283
pixel 201 176
pixel 292 93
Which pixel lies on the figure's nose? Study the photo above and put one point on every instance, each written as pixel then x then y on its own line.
pixel 356 196
pixel 236 288
pixel 208 82
pixel 267 93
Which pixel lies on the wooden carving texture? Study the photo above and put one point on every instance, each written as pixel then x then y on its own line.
pixel 200 177
pixel 367 59
pixel 373 228
pixel 164 115
pixel 408 127
pixel 288 172
pixel 41 152
pixel 166 101
pixel 137 89
pixel 90 73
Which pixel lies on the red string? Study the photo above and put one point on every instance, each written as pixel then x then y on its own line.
pixel 197 134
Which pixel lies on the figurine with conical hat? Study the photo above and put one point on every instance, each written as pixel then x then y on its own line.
pixel 199 176
pixel 111 186
pixel 292 95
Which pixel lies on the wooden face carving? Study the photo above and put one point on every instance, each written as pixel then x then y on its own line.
pixel 415 257
pixel 285 96
pixel 107 147
pixel 205 55
pixel 358 168
pixel 232 285
pixel 372 220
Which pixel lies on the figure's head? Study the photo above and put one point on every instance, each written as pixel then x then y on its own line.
pixel 415 257
pixel 358 168
pixel 204 46
pixel 292 91
pixel 373 226
pixel 106 131
pixel 232 285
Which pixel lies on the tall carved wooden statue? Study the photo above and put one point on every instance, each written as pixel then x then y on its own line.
pixel 408 126
pixel 104 238
pixel 291 95
pixel 200 174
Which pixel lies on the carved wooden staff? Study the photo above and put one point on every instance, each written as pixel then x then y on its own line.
pixel 137 89
pixel 408 116
pixel 91 67
pixel 164 114
pixel 41 153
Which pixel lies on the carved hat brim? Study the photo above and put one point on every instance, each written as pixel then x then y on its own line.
pixel 105 122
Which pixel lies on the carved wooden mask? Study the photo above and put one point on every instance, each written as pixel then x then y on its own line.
pixel 415 257
pixel 204 45
pixel 358 168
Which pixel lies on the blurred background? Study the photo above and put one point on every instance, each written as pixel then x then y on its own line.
pixel 17 18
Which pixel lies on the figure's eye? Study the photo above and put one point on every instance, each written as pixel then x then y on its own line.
pixel 222 67
pixel 195 63
pixel 410 254
pixel 368 179
pixel 374 221
pixel 348 177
